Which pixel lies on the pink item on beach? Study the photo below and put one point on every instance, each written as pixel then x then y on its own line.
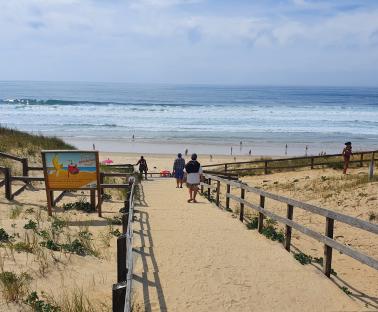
pixel 107 161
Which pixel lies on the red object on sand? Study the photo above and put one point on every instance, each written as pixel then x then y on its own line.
pixel 165 173
pixel 73 169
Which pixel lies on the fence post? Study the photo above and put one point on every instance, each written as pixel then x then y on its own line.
pixel 261 216
pixel 25 167
pixel 93 199
pixel 362 160
pixel 208 189
pixel 119 294
pixel 102 182
pixel 225 168
pixel 328 250
pixel 371 168
pixel 125 215
pixel 52 198
pixel 228 198
pixel 266 167
pixel 242 194
pixel 8 183
pixel 289 215
pixel 218 193
pixel 121 258
pixel 312 162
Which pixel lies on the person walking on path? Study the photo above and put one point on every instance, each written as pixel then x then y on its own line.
pixel 178 170
pixel 193 177
pixel 143 168
pixel 347 152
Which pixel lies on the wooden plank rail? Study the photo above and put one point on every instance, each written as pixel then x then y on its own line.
pixel 121 291
pixel 267 164
pixel 10 156
pixel 331 216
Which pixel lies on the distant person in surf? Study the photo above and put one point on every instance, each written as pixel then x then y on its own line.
pixel 143 168
pixel 250 152
pixel 186 152
pixel 347 153
pixel 193 177
pixel 178 170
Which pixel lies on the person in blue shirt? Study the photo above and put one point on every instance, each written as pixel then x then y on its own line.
pixel 178 170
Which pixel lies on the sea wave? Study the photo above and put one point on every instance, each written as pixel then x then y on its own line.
pixel 30 101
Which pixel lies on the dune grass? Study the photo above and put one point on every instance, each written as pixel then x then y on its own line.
pixel 26 145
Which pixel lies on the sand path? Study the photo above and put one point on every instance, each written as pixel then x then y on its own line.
pixel 195 257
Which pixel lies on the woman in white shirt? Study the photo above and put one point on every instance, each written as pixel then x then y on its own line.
pixel 193 177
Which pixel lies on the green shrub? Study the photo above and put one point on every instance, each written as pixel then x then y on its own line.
pixel 14 287
pixel 79 205
pixel 50 244
pixel 253 224
pixel 23 247
pixel 4 236
pixel 31 225
pixel 40 305
pixel 302 258
pixel 346 290
pixel 116 233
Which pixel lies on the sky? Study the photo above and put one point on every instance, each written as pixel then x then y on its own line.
pixel 272 42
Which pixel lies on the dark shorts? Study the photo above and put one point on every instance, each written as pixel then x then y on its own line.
pixel 179 174
pixel 192 186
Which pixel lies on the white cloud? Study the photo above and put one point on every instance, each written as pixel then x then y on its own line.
pixel 156 32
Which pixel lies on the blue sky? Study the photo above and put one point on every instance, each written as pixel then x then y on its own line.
pixel 288 42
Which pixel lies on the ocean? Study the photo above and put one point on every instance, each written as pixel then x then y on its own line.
pixel 212 119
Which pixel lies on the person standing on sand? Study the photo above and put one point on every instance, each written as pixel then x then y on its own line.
pixel 143 168
pixel 347 152
pixel 178 170
pixel 193 177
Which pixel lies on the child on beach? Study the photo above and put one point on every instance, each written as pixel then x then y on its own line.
pixel 143 168
pixel 193 177
pixel 178 170
pixel 347 152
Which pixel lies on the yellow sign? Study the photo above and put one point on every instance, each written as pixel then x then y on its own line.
pixel 70 170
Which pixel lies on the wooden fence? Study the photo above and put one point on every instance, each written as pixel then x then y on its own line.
pixel 331 216
pixel 121 291
pixel 266 165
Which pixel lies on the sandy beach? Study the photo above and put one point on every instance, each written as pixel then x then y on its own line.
pixel 94 274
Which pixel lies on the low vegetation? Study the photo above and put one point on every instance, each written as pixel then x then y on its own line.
pixel 269 229
pixel 24 144
pixel 14 286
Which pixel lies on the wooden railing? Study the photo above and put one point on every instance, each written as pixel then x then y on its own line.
pixel 121 291
pixel 266 165
pixel 331 216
